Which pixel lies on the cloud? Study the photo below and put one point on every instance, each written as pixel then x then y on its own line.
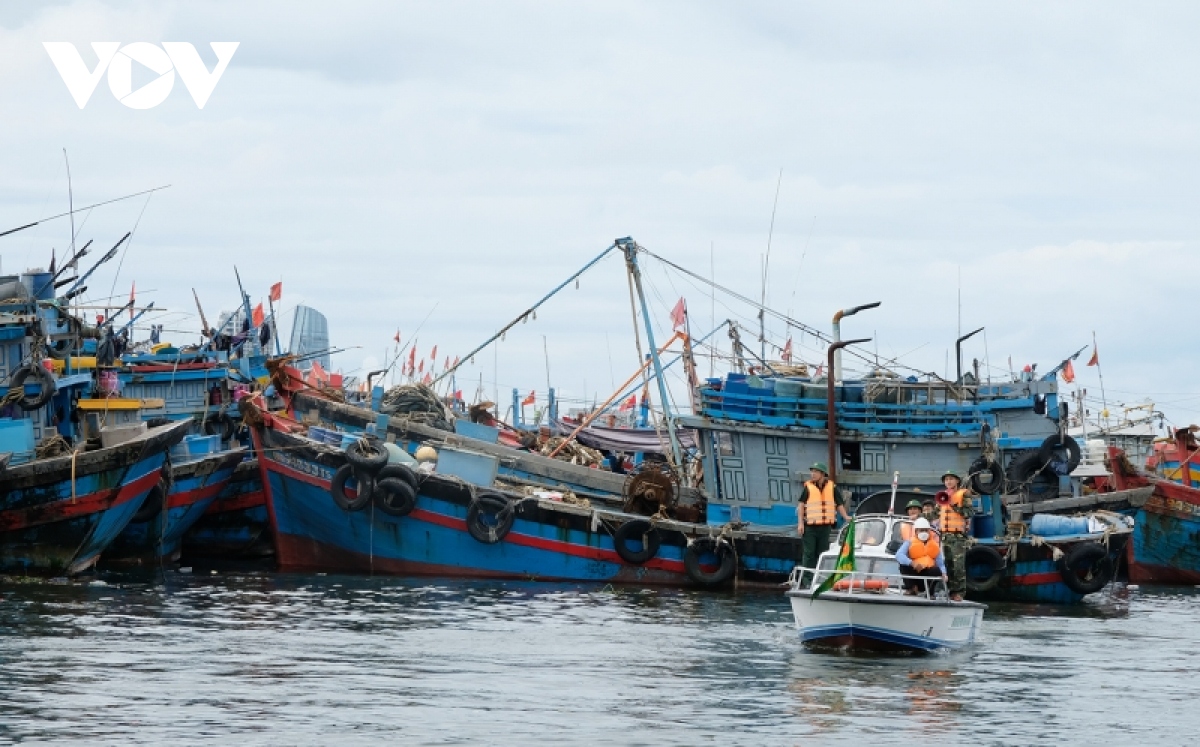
pixel 383 159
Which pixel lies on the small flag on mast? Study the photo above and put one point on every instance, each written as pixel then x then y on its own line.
pixel 276 291
pixel 529 400
pixel 679 315
pixel 1095 359
pixel 257 318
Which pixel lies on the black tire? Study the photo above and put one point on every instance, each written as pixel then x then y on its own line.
pixel 367 455
pixel 401 471
pixel 982 555
pixel 490 518
pixel 1051 446
pixel 43 376
pixel 337 488
pixel 1086 568
pixel 725 568
pixel 152 506
pixel 987 477
pixel 394 496
pixel 638 530
pixel 219 425
pixel 1025 468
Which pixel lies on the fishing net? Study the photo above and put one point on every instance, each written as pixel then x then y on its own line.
pixel 418 403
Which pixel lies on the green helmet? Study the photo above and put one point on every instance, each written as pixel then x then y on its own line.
pixel 914 503
pixel 951 473
pixel 821 467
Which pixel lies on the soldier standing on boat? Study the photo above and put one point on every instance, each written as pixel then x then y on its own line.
pixel 956 515
pixel 817 514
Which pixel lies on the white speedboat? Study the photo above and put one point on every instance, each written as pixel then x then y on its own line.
pixel 868 608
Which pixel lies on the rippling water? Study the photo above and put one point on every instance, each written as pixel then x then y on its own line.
pixel 284 659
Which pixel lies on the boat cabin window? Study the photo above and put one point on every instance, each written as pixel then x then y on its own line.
pixel 867 533
pixel 901 532
pixel 725 444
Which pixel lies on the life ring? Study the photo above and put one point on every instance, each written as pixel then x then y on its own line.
pixel 337 488
pixel 395 496
pixel 987 476
pixel 1052 445
pixel 490 517
pixel 1086 568
pixel 726 557
pixel 368 455
pixel 870 584
pixel 152 505
pixel 219 425
pixel 638 530
pixel 983 555
pixel 43 376
pixel 401 471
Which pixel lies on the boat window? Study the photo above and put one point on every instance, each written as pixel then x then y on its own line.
pixel 725 445
pixel 898 533
pixel 885 567
pixel 867 533
pixel 851 455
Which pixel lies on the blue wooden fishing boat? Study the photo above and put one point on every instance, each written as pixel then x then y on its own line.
pixel 235 526
pixel 71 484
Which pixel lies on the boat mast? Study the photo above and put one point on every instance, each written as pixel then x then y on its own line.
pixel 630 248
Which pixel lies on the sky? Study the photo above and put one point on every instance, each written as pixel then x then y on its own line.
pixel 434 168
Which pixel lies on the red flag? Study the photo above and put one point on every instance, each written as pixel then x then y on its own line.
pixel 397 337
pixel 458 395
pixel 1095 359
pixel 433 355
pixel 132 288
pixel 455 361
pixel 276 291
pixel 412 359
pixel 630 403
pixel 679 315
pixel 529 400
pixel 421 365
pixel 447 363
pixel 428 378
pixel 1068 372
pixel 787 351
pixel 257 317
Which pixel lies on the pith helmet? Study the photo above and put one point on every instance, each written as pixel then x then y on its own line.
pixel 914 503
pixel 951 473
pixel 821 467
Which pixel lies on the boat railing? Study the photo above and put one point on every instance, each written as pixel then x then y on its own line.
pixel 856 582
pixel 922 409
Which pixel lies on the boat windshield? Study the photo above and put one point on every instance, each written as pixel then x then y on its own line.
pixel 901 531
pixel 867 533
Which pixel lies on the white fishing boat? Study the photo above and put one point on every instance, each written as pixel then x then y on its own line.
pixel 867 608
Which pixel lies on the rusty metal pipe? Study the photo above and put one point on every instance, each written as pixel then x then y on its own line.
pixel 831 412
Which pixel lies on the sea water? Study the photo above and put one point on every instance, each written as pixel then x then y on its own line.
pixel 262 658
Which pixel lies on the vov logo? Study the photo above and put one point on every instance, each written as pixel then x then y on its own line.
pixel 118 61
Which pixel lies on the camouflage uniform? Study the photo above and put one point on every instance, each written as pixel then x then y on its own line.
pixel 954 545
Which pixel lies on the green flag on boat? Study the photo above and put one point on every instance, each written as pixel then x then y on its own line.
pixel 845 564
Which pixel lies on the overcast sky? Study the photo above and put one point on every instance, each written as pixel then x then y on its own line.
pixel 386 159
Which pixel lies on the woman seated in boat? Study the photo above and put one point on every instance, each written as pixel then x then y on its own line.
pixel 921 557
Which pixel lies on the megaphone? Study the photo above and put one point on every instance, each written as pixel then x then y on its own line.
pixel 942 498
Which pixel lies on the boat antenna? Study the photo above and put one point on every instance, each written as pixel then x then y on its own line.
pixel 70 201
pixel 762 322
pixel 85 207
pixel 895 484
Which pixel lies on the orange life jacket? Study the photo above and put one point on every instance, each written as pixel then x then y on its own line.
pixel 820 508
pixel 953 522
pixel 924 554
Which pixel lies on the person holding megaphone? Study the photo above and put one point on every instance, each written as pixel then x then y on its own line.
pixel 956 512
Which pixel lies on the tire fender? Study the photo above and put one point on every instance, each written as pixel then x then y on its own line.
pixel 637 530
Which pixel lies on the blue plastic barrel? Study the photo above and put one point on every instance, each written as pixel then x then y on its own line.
pixel 1049 525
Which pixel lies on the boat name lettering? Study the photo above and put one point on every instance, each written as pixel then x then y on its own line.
pixel 1172 504
pixel 961 621
pixel 308 468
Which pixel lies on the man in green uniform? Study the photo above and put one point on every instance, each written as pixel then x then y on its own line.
pixel 816 516
pixel 955 523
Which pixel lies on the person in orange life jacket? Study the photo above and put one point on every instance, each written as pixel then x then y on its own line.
pixel 953 523
pixel 816 516
pixel 921 556
pixel 914 513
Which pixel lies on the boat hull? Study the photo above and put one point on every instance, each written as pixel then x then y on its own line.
pixel 548 541
pixel 236 526
pixel 1032 574
pixel 1166 537
pixel 888 623
pixel 58 515
pixel 191 488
